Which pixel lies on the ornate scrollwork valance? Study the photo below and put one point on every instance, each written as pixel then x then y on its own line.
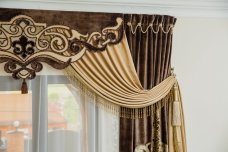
pixel 25 45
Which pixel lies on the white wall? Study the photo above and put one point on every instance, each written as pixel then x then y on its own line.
pixel 200 58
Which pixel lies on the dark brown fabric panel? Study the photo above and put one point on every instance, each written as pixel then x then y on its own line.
pixel 84 22
pixel 151 54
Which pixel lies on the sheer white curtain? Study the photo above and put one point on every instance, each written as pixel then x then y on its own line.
pixel 100 129
pixel 63 119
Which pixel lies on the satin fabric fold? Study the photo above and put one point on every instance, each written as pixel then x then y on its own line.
pixel 112 76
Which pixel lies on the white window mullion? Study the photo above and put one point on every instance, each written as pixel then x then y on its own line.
pixel 40 114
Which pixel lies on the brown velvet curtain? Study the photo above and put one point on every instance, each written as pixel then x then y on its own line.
pixel 84 22
pixel 151 53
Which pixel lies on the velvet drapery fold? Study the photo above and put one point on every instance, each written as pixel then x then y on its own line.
pixel 151 53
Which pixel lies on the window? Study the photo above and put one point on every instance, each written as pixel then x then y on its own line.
pixel 49 112
pixel 63 110
pixel 15 120
pixel 53 117
pixel 63 119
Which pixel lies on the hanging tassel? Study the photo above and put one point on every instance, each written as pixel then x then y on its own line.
pixel 176 108
pixel 24 87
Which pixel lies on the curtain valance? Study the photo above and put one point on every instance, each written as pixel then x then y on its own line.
pixel 25 44
pixel 100 59
pixel 95 53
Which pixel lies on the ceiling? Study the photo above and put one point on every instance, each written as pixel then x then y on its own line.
pixel 186 8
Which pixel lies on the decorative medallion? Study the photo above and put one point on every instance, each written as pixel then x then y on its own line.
pixel 25 45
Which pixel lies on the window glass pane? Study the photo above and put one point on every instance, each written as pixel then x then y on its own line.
pixel 63 110
pixel 15 121
pixel 63 119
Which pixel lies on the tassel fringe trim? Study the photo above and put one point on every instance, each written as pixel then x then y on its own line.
pixel 137 113
pixel 124 112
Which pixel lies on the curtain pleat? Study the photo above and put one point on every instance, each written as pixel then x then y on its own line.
pixel 151 53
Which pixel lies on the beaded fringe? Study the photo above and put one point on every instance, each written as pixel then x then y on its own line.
pixel 131 113
pixel 137 113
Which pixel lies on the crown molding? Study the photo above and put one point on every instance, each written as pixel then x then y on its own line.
pixel 179 8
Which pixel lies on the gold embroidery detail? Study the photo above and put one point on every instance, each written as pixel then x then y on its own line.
pixel 25 44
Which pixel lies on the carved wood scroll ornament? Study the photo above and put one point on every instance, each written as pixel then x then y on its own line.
pixel 25 45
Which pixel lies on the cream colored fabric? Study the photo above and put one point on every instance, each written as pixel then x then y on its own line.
pixel 112 76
